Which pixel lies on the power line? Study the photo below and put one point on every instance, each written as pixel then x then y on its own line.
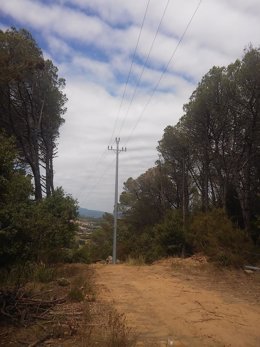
pixel 103 173
pixel 130 70
pixel 144 65
pixel 163 72
pixel 104 153
pixel 126 84
pixel 140 76
pixel 122 99
pixel 128 77
pixel 102 156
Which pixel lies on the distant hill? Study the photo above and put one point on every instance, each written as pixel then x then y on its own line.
pixel 84 212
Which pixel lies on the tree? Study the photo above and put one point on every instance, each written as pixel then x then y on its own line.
pixel 221 131
pixel 175 151
pixel 209 161
pixel 30 230
pixel 102 239
pixel 15 190
pixel 145 199
pixel 31 105
pixel 246 106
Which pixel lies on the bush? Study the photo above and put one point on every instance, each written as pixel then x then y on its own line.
pixel 142 245
pixel 35 231
pixel 169 234
pixel 20 274
pixel 213 234
pixel 76 294
pixel 139 261
pixel 44 274
pixel 81 255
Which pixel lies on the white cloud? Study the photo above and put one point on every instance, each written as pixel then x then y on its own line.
pixel 58 46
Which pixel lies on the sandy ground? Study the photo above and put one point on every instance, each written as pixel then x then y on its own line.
pixel 164 300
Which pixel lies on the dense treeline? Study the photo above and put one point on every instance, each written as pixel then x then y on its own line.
pixel 204 191
pixel 36 220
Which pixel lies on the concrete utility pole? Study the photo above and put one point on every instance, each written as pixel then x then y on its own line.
pixel 117 151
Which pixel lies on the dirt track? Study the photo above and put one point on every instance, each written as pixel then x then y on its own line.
pixel 160 302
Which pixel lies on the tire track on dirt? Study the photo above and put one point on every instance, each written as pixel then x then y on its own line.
pixel 159 305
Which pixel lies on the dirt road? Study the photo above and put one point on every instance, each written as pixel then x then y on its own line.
pixel 160 302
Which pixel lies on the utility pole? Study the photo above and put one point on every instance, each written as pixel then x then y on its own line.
pixel 117 151
pixel 183 205
pixel 183 195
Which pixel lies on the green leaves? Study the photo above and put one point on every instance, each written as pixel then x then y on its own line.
pixel 32 104
pixel 209 160
pixel 30 230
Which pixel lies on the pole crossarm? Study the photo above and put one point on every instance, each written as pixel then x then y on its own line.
pixel 116 150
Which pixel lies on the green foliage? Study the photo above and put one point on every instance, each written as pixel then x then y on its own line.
pixel 138 244
pixel 210 160
pixel 21 273
pixel 101 239
pixel 15 189
pixel 81 255
pixel 169 234
pixel 76 294
pixel 48 225
pixel 15 186
pixel 31 105
pixel 145 199
pixel 214 234
pixel 212 155
pixel 30 230
pixel 44 274
pixel 151 243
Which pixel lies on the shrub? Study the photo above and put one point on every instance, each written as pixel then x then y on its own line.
pixel 153 242
pixel 44 274
pixel 213 234
pixel 139 261
pixel 142 245
pixel 36 231
pixel 20 274
pixel 118 333
pixel 169 234
pixel 76 294
pixel 81 255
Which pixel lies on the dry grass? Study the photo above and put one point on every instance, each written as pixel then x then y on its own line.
pixel 107 328
pixel 139 261
pixel 80 321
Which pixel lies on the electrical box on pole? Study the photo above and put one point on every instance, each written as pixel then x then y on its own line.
pixel 117 151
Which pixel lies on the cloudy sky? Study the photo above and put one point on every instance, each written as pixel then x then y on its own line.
pixel 129 68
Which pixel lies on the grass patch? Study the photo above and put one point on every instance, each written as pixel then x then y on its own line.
pixel 76 294
pixel 139 261
pixel 111 332
pixel 91 323
pixel 21 274
pixel 44 274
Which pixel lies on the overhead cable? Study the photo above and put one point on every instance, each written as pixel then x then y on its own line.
pixel 130 71
pixel 103 173
pixel 163 72
pixel 144 66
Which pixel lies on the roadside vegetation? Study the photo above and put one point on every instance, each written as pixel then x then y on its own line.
pixel 203 194
pixel 59 306
pixel 41 299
